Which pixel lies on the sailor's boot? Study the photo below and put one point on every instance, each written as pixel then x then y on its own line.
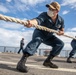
pixel 21 64
pixel 69 60
pixel 48 62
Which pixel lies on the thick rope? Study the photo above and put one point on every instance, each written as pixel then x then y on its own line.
pixel 11 19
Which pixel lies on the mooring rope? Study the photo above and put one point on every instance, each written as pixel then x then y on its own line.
pixel 11 19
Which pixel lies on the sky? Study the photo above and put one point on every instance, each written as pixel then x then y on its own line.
pixel 11 33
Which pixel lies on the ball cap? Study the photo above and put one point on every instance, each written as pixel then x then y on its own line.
pixel 54 5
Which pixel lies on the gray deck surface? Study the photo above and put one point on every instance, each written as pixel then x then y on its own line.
pixel 8 63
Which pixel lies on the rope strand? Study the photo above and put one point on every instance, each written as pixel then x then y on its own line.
pixel 11 19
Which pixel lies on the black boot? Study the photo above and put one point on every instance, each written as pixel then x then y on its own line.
pixel 21 64
pixel 48 62
pixel 69 60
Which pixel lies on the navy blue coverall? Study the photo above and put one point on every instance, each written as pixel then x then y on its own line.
pixel 40 36
pixel 21 46
pixel 73 44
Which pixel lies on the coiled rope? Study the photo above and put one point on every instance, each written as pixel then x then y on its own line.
pixel 11 19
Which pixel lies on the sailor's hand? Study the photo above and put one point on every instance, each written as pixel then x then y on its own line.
pixel 60 33
pixel 28 24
